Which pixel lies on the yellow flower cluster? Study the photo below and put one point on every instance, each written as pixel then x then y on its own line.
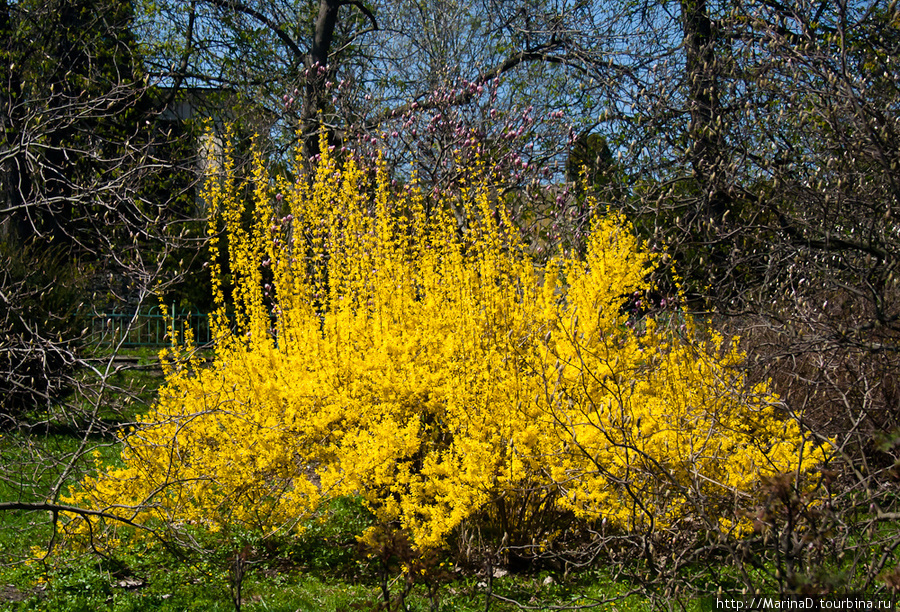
pixel 382 350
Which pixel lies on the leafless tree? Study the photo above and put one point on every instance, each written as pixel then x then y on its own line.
pixel 95 214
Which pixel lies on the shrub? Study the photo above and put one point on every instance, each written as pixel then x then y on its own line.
pixel 437 372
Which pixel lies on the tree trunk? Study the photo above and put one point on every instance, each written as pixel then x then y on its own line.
pixel 318 72
pixel 706 153
pixel 16 184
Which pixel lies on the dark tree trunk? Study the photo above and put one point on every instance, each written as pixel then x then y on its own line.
pixel 15 182
pixel 318 72
pixel 706 155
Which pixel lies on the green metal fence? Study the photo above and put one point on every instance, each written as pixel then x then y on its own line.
pixel 148 327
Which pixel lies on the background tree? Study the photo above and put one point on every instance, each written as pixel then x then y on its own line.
pixel 88 222
pixel 350 65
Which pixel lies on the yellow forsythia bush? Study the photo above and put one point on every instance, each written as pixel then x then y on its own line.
pixel 376 348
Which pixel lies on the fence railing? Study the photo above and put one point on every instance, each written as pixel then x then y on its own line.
pixel 148 327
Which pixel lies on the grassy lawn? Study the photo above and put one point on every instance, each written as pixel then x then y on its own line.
pixel 89 584
pixel 318 571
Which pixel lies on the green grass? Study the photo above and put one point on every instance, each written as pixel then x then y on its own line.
pixel 86 584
